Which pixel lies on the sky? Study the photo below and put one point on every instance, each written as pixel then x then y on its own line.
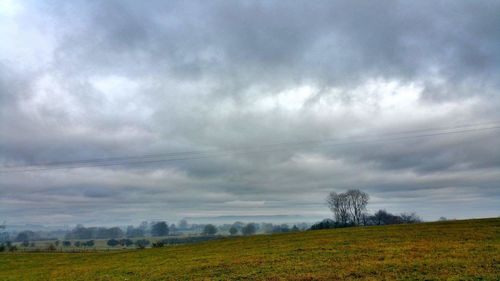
pixel 275 103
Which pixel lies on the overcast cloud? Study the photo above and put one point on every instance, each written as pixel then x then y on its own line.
pixel 99 79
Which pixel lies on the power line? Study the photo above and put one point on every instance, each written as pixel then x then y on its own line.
pixel 197 152
pixel 193 155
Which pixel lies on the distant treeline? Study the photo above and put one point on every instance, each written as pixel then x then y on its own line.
pixel 149 229
pixel 348 208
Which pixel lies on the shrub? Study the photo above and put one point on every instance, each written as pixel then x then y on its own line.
pixel 158 244
pixel 126 242
pixel 113 242
pixel 141 243
pixel 324 224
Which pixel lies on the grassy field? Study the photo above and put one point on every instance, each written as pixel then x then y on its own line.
pixel 452 250
pixel 101 244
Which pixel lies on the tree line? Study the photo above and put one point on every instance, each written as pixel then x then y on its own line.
pixel 350 209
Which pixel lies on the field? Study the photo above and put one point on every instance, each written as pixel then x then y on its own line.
pixel 101 244
pixel 452 250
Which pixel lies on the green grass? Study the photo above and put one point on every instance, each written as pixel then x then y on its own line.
pixel 453 250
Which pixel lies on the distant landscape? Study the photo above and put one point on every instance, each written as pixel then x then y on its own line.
pixel 448 250
pixel 349 209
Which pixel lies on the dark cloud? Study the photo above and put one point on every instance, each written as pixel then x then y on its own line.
pixel 98 79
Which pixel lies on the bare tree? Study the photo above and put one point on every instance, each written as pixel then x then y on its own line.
pixel 382 217
pixel 348 207
pixel 410 218
pixel 357 201
pixel 339 205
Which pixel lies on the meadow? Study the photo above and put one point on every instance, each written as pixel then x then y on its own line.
pixel 450 250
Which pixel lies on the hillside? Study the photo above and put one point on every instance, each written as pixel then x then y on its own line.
pixel 452 250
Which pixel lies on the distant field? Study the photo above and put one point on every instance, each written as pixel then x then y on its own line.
pixel 453 250
pixel 101 244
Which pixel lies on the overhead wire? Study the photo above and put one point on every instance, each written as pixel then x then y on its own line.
pixel 203 154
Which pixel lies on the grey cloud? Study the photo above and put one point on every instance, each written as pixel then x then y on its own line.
pixel 332 43
pixel 126 78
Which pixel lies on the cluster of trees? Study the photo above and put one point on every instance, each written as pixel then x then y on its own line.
pixel 184 240
pixel 121 242
pixel 244 229
pixel 140 243
pixel 78 244
pixel 279 228
pixel 26 235
pixel 234 229
pixel 82 233
pixel 349 209
pixel 7 247
pixel 382 217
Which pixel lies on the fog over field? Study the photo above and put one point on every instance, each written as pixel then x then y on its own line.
pixel 114 112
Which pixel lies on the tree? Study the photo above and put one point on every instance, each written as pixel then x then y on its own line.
pixel 349 207
pixel 66 243
pixel 160 229
pixel 284 228
pixel 26 235
pixel 382 217
pixel 51 247
pixel 4 237
pixel 172 229
pixel 141 243
pixel 233 230
pixel 324 224
pixel 114 232
pixel 89 243
pixel 209 229
pixel 112 242
pixel 126 242
pixel 249 229
pixel 134 232
pixel 157 244
pixel 339 205
pixel 357 203
pixel 77 244
pixel 410 218
pixel 183 224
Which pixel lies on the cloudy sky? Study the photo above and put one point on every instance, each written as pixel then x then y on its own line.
pixel 246 108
